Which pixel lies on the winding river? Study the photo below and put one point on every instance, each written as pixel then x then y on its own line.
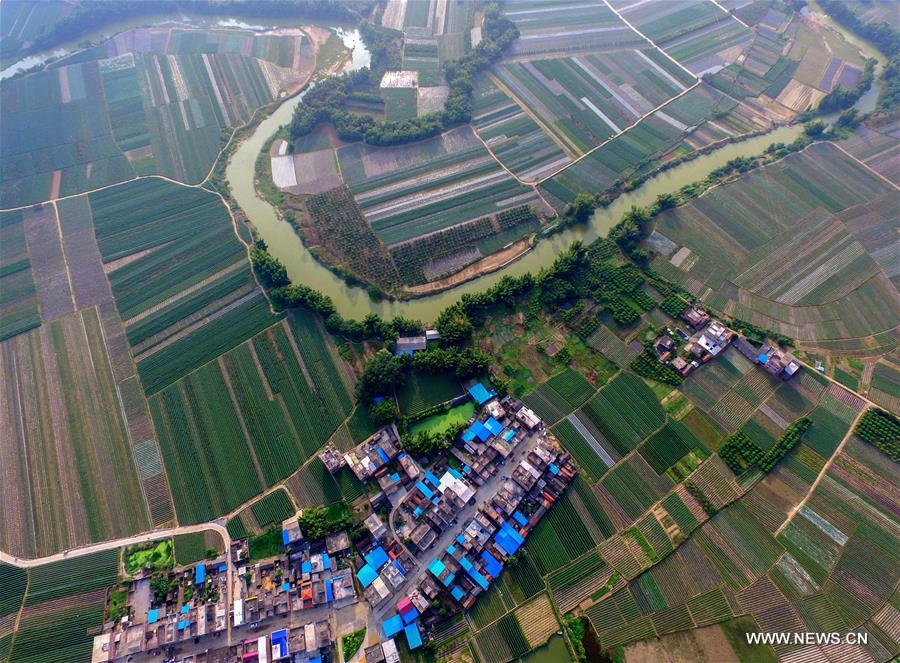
pixel 354 302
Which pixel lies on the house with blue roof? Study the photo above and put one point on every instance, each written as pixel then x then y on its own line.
pixel 480 394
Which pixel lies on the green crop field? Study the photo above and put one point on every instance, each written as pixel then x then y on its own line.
pixel 423 391
pixel 625 411
pixel 288 402
pixel 18 302
pixel 737 243
pixel 273 508
pixel 193 547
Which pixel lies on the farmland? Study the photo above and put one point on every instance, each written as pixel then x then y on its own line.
pixel 660 136
pixel 265 406
pixel 578 26
pixel 179 276
pixel 18 305
pixel 76 479
pixel 147 101
pixel 817 280
pixel 694 32
pixel 64 601
pixel 409 191
pixel 604 92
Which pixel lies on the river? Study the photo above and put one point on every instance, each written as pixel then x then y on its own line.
pixel 354 302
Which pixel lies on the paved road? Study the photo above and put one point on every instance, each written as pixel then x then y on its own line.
pixel 484 493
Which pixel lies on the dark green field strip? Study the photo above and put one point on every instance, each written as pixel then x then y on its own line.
pixel 61 636
pixel 274 446
pixel 202 443
pixel 12 588
pixel 190 548
pixel 584 455
pixel 79 575
pixel 216 337
pixel 669 445
pixel 272 509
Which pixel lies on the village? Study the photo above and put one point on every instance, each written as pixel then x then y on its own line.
pixel 446 533
pixel 685 352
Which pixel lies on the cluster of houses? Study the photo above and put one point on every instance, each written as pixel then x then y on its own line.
pixel 282 590
pixel 195 606
pixel 709 338
pixel 461 543
pixel 310 643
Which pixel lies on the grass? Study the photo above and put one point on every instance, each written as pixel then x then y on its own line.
pixel 438 423
pixel 424 391
pixel 352 642
pixel 156 557
pixel 265 545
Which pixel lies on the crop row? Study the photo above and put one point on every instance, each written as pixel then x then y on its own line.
pixel 273 508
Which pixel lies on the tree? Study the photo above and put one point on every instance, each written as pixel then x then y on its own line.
pixel 384 412
pixel 383 373
pixel 269 269
pixel 454 326
pixel 666 201
pixel 425 443
pixel 814 129
pixel 582 208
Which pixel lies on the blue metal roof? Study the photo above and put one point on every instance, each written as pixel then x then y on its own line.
pixel 425 490
pixel 522 520
pixel 457 592
pixel 494 426
pixel 392 626
pixel 763 358
pixel 454 473
pixel 285 537
pixel 200 574
pixel 509 529
pixel 413 637
pixel 432 479
pixel 508 435
pixel 460 538
pixel 395 477
pixel 469 434
pixel 479 393
pixel 383 456
pixel 285 586
pixel 451 549
pixel 436 567
pixel 185 608
pixel 377 558
pixel 152 616
pixel 306 567
pixel 329 590
pixel 280 640
pixel 491 564
pixel 554 468
pixel 480 431
pixel 410 616
pixel 366 576
pixel 326 561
